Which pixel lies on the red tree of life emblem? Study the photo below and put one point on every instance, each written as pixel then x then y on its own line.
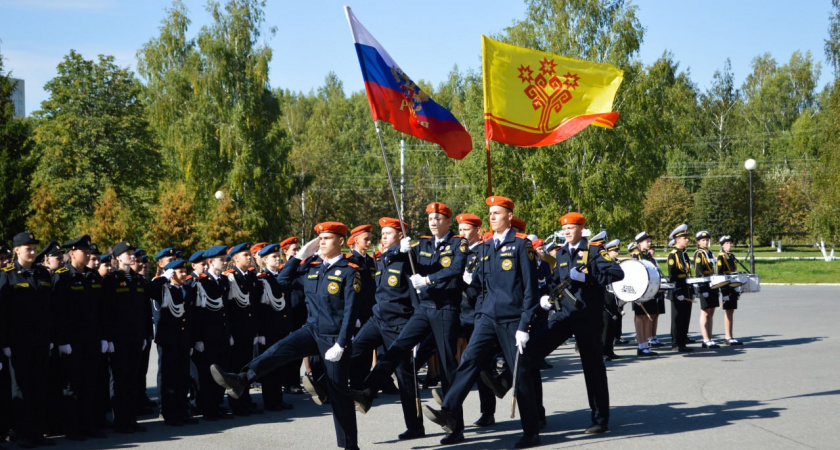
pixel 548 91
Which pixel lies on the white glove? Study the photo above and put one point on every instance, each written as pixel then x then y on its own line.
pixel 145 342
pixel 725 298
pixel 7 351
pixel 110 347
pixel 65 349
pixel 468 277
pixel 358 323
pixel 256 340
pixel 705 295
pixel 191 352
pixel 51 346
pixel 521 339
pixel 261 340
pixel 405 245
pixel 545 302
pixel 414 350
pixel 103 346
pixel 334 353
pixel 168 273
pixel 577 275
pixel 199 346
pixel 308 249
pixel 231 341
pixel 419 281
pixel 680 297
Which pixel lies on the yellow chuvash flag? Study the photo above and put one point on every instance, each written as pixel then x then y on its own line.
pixel 534 98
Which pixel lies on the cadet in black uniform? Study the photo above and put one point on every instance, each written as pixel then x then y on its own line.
pixel 506 285
pixel 212 332
pixel 440 262
pixel 645 313
pixel 679 269
pixel 331 284
pixel 727 263
pixel 587 269
pixel 6 259
pixel 79 304
pixel 704 266
pixel 275 323
pixel 395 303
pixel 244 293
pixel 174 338
pixel 611 312
pixel 130 320
pixel 26 297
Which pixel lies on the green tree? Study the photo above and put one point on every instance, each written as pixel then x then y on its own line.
pixel 223 226
pixel 110 222
pixel 175 221
pixel 667 204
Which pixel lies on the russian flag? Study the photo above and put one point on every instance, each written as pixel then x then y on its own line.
pixel 396 99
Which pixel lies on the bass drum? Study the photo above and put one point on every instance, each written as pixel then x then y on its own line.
pixel 641 281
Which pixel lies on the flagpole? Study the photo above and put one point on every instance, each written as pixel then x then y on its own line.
pixel 489 176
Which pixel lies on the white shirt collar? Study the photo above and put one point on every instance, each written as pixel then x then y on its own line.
pixel 333 260
pixel 501 236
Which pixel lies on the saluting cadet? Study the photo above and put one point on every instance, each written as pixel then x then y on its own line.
pixel 395 303
pixel 679 269
pixel 587 269
pixel 175 341
pixel 275 323
pixel 130 320
pixel 79 304
pixel 359 242
pixel 506 283
pixel 331 284
pixel 440 262
pixel 704 266
pixel 643 323
pixel 212 332
pixel 243 294
pixel 726 263
pixel 296 299
pixel 611 312
pixel 26 296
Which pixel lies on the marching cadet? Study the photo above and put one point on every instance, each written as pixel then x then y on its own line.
pixel 506 283
pixel 139 254
pixel 586 270
pixel 395 302
pixel 198 266
pixel 93 261
pixel 726 263
pixel 331 284
pixel 296 300
pixel 105 265
pixel 440 262
pixel 212 332
pixel 275 323
pixel 243 323
pixel 704 266
pixel 130 320
pixel 175 341
pixel 645 314
pixel 26 296
pixel 79 304
pixel 162 259
pixel 611 312
pixel 51 257
pixel 679 269
pixel 359 242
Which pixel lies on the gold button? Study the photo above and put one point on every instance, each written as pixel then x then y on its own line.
pixel 249 314
pixel 182 328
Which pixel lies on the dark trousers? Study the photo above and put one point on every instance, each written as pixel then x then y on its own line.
pixel 611 317
pixel 5 398
pixel 305 342
pixel 174 381
pixel 142 370
pixel 125 367
pixel 81 369
pixel 28 367
pixel 373 334
pixel 587 331
pixel 102 390
pixel 443 324
pixel 680 320
pixel 272 383
pixel 486 398
pixel 241 353
pixel 210 394
pixel 485 341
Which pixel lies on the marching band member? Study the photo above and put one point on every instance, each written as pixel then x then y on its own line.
pixel 679 269
pixel 643 315
pixel 726 263
pixel 704 266
pixel 611 312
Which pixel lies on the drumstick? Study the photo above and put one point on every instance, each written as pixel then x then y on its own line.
pixel 645 310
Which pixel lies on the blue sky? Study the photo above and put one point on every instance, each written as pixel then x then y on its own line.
pixel 425 38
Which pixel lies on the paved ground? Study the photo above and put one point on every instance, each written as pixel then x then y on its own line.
pixel 779 391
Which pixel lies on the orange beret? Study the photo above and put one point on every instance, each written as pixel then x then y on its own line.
pixel 438 207
pixel 471 219
pixel 393 223
pixel 575 218
pixel 285 243
pixel 331 227
pixel 500 201
pixel 361 229
pixel 538 243
pixel 516 222
pixel 257 247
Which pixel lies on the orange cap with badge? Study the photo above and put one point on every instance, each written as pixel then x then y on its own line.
pixel 285 243
pixel 573 218
pixel 471 219
pixel 496 200
pixel 393 223
pixel 519 224
pixel 331 227
pixel 357 231
pixel 257 247
pixel 438 207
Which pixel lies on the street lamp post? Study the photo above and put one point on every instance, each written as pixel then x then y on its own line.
pixel 750 166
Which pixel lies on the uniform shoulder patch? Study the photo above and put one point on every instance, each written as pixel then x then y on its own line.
pixel 62 270
pixel 9 268
pixel 606 255
pixel 355 266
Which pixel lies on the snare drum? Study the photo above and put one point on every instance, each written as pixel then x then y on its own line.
pixel 640 283
pixel 737 279
pixel 718 281
pixel 752 285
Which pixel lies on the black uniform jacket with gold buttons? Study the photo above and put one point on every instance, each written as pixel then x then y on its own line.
pixel 26 298
pixel 505 279
pixel 129 308
pixel 210 322
pixel 174 328
pixel 275 320
pixel 330 296
pixel 600 270
pixel 395 297
pixel 444 265
pixel 679 269
pixel 79 306
pixel 365 300
pixel 703 267
pixel 242 318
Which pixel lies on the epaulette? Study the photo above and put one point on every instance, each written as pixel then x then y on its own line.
pixel 252 269
pixel 62 269
pixel 460 236
pixel 9 268
pixel 355 266
pixel 202 276
pixel 313 262
pixel 262 275
pixel 596 244
pixel 348 255
pixel 227 272
pixel 281 266
pixel 189 277
pixel 425 237
pixel 522 235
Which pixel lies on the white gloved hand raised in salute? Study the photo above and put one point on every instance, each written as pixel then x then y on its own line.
pixel 308 249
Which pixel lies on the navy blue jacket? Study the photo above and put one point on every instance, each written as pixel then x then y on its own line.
pixel 242 319
pixel 601 271
pixel 470 296
pixel 365 299
pixel 275 321
pixel 395 297
pixel 172 331
pixel 210 325
pixel 444 266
